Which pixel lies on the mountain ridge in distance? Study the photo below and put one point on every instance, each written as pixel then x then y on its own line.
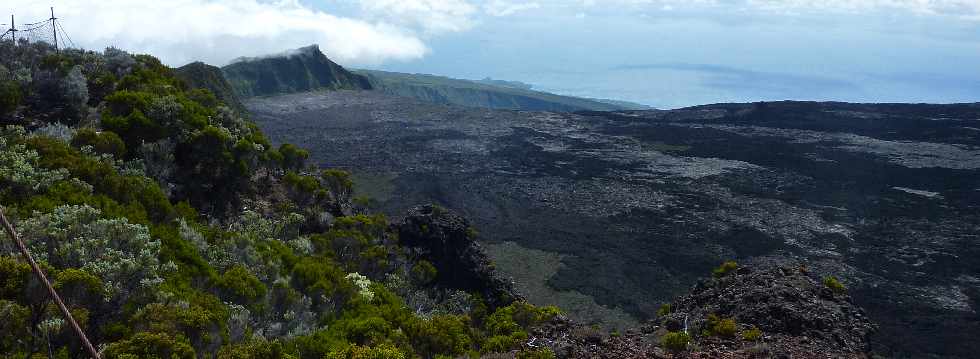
pixel 486 93
pixel 303 69
pixel 308 69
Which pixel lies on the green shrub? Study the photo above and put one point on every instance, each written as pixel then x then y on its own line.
pixel 441 335
pixel 664 310
pixel 675 341
pixel 139 193
pixel 123 255
pixel 834 284
pixel 293 158
pixel 15 324
pixel 423 272
pixel 80 285
pixel 338 181
pixel 241 285
pixel 504 343
pixel 256 348
pixel 321 277
pixel 752 334
pixel 508 326
pixel 384 351
pixel 300 183
pixel 725 269
pixel 541 353
pixel 14 276
pixel 21 171
pixel 10 97
pixel 105 142
pixel 150 345
pixel 721 327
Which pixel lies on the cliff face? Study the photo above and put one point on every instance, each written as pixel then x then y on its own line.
pixel 448 241
pixel 304 69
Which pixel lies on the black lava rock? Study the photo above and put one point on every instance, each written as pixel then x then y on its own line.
pixel 446 240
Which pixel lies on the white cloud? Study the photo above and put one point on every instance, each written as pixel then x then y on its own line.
pixel 964 9
pixel 429 16
pixel 507 8
pixel 217 31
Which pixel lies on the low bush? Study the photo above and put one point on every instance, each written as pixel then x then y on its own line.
pixel 540 353
pixel 10 97
pixel 106 142
pixel 240 285
pixel 834 284
pixel 751 335
pixel 721 327
pixel 725 269
pixel 675 341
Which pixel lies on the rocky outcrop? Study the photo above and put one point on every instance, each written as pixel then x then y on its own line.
pixel 447 240
pixel 795 315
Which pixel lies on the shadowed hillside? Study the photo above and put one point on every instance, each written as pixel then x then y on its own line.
pixel 204 76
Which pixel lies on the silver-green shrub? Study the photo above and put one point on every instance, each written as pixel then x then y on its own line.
pixel 123 255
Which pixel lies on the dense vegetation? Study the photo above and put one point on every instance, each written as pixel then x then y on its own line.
pixel 174 229
pixel 204 76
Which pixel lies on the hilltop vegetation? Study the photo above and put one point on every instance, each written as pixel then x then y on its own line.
pixel 173 228
pixel 204 76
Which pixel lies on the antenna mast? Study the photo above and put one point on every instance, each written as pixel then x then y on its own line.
pixel 54 29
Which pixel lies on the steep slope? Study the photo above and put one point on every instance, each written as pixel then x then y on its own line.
pixel 200 75
pixel 303 69
pixel 491 94
pixel 620 212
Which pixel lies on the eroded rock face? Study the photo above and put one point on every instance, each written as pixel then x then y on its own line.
pixel 448 241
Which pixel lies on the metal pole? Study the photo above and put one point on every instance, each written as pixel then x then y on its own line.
pixel 13 29
pixel 54 29
pixel 44 279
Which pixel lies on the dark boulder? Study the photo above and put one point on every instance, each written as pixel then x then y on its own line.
pixel 447 240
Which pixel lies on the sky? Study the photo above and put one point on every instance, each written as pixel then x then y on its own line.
pixel 663 53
